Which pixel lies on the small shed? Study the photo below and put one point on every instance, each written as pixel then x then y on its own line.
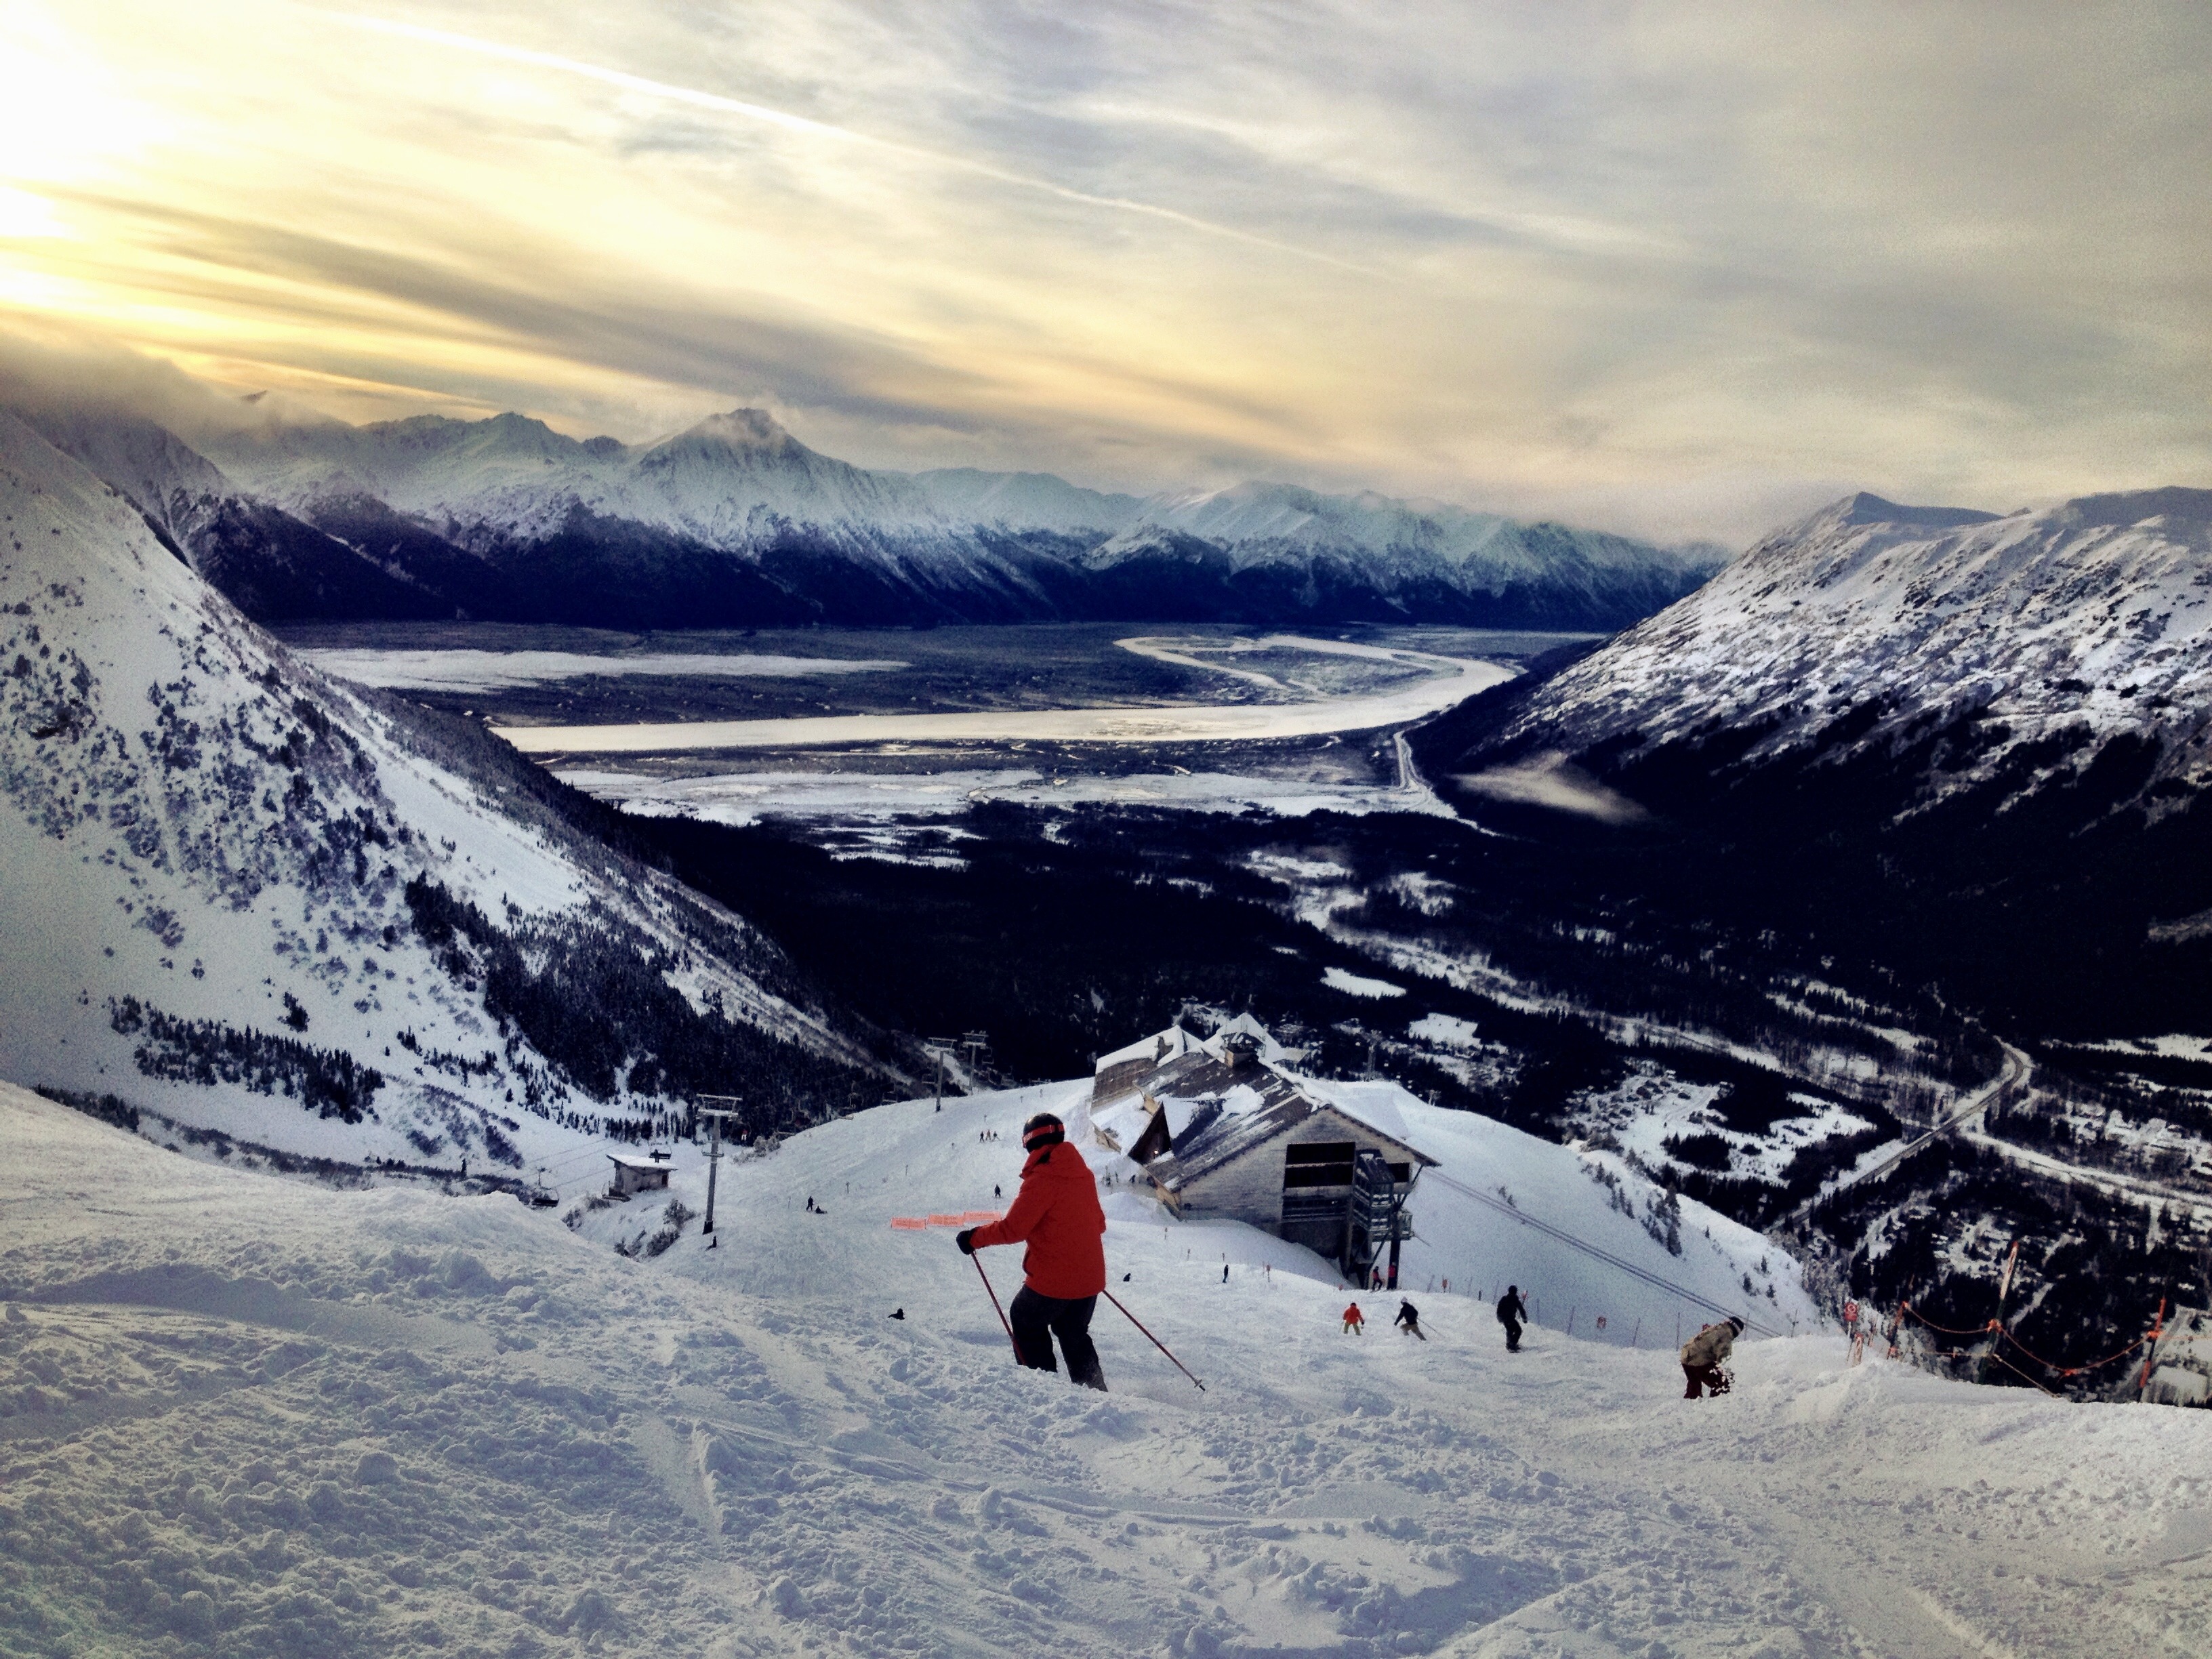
pixel 634 1173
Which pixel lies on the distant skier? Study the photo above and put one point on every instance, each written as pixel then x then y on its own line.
pixel 1057 1215
pixel 1512 1313
pixel 1224 1273
pixel 1702 1356
pixel 1408 1319
pixel 1355 1322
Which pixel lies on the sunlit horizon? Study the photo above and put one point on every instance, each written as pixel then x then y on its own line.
pixel 1668 270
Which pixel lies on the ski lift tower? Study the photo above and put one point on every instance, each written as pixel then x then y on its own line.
pixel 941 1049
pixel 1377 1216
pixel 728 1106
pixel 978 1044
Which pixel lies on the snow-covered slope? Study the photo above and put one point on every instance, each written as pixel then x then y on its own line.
pixel 246 895
pixel 272 564
pixel 1027 500
pixel 2036 638
pixel 253 1418
pixel 1491 1214
pixel 1418 537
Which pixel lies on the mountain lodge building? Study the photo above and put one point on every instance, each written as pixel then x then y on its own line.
pixel 1219 1131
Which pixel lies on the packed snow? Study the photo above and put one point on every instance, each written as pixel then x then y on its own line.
pixel 244 1416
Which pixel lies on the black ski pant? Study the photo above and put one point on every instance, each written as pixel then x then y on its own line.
pixel 1037 1319
pixel 1512 1335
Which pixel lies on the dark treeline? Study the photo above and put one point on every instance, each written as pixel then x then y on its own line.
pixel 324 1081
pixel 2084 875
pixel 601 1011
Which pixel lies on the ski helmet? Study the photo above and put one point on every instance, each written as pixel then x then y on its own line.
pixel 1041 1131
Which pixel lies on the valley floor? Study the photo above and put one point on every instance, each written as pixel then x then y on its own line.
pixel 241 1415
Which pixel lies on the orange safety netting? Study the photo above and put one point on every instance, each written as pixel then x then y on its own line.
pixel 1999 1329
pixel 965 1219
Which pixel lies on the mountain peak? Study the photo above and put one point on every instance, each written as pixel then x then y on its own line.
pixel 1866 508
pixel 749 431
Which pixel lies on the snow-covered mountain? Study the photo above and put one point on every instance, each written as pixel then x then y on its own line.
pixel 2003 651
pixel 1948 740
pixel 272 564
pixel 1373 557
pixel 260 902
pixel 1027 500
pixel 734 520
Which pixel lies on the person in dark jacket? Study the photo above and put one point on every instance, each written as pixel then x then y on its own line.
pixel 1703 1354
pixel 1056 1213
pixel 1408 1319
pixel 1512 1313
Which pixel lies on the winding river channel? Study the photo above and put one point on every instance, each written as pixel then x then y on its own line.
pixel 1443 681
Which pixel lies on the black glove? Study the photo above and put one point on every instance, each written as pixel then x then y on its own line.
pixel 965 1239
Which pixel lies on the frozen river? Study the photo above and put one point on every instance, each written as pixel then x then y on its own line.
pixel 1443 681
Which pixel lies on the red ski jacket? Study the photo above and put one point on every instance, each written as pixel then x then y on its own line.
pixel 1056 1213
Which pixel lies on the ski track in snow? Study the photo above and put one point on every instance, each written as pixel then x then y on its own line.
pixel 240 1415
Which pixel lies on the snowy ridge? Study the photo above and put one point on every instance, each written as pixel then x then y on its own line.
pixel 1409 540
pixel 200 832
pixel 1869 625
pixel 982 544
pixel 257 1418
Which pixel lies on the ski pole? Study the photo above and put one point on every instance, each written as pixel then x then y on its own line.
pixel 997 1309
pixel 1154 1340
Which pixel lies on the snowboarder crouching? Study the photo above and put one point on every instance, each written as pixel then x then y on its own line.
pixel 1512 1313
pixel 1408 1319
pixel 1702 1353
pixel 1355 1322
pixel 1057 1214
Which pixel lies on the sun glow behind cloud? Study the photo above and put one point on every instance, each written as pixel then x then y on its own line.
pixel 1621 262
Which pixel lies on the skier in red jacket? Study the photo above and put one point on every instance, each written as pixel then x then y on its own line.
pixel 1056 1214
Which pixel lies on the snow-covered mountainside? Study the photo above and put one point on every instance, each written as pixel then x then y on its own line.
pixel 1946 741
pixel 1027 500
pixel 2011 650
pixel 1373 557
pixel 258 902
pixel 272 565
pixel 735 521
pixel 253 1418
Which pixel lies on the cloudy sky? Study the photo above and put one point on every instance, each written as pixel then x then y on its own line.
pixel 1671 267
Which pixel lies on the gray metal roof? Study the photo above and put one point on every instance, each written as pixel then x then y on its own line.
pixel 1217 1113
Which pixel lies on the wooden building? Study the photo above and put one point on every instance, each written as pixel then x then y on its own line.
pixel 1221 1131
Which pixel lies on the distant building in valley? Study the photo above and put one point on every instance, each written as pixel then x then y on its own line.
pixel 1219 1130
pixel 639 1175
